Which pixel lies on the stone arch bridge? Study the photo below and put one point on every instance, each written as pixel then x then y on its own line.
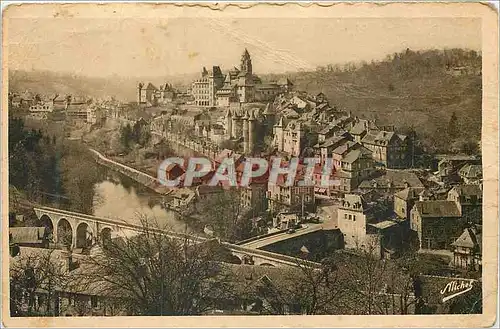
pixel 82 231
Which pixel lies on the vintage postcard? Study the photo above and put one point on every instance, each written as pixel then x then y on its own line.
pixel 249 164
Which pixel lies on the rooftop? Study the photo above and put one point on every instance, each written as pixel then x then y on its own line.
pixel 393 178
pixel 27 234
pixel 437 208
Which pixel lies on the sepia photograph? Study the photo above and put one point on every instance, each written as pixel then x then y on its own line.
pixel 249 164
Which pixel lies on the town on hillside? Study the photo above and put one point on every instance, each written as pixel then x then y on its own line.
pixel 94 231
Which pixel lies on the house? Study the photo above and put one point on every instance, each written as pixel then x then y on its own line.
pixel 449 165
pixel 78 296
pixel 266 92
pixel 390 181
pixel 404 201
pixel 42 107
pixel 469 199
pixel 438 223
pixel 467 249
pixel 182 199
pixel 361 128
pixel 15 101
pixel 148 95
pixel 258 290
pixel 286 220
pixel 300 103
pixel 288 137
pixel 353 164
pixel 389 148
pixel 284 196
pixel 366 226
pixel 30 236
pixel 471 173
pixel 325 148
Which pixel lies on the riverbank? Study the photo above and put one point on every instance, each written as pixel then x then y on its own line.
pixel 145 179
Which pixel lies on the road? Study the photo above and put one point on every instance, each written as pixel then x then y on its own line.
pixel 256 244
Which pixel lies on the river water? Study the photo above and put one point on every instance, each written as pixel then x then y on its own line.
pixel 119 197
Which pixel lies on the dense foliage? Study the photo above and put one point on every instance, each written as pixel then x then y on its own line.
pixel 48 169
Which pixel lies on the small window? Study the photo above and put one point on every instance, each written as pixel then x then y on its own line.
pixel 353 217
pixel 345 216
pixel 350 217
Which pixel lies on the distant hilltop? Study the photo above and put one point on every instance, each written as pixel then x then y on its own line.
pixel 47 83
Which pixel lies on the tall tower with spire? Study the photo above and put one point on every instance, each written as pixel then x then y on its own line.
pixel 246 63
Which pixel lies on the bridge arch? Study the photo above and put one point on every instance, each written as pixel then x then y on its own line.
pixel 47 222
pixel 84 236
pixel 64 232
pixel 266 264
pixel 105 236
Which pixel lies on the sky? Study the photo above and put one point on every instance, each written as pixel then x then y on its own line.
pixel 161 47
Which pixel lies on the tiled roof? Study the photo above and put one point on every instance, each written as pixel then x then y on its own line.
pixel 344 147
pixel 354 200
pixel 437 208
pixel 467 239
pixel 397 178
pixel 354 155
pixel 471 171
pixel 469 190
pixel 409 193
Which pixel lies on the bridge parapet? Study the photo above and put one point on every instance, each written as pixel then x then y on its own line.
pixel 99 224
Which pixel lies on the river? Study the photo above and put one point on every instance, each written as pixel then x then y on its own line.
pixel 119 197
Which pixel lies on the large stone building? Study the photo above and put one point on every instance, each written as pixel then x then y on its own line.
pixel 205 88
pixel 288 137
pixel 248 125
pixel 239 85
pixel 389 149
pixel 150 95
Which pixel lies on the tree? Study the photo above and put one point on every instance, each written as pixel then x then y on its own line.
pixel 126 136
pixel 140 133
pixel 453 126
pixel 374 285
pixel 226 214
pixel 319 291
pixel 155 274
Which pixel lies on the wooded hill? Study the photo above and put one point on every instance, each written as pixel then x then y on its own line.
pixel 419 89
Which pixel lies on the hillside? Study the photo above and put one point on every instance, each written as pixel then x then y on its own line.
pixel 407 89
pixel 48 83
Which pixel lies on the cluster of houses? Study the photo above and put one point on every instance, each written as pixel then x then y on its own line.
pixel 58 107
pixel 383 201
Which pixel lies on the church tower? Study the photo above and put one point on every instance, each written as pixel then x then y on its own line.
pixel 246 63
